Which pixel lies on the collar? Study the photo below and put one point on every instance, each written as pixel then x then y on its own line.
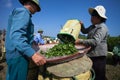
pixel 97 25
pixel 28 11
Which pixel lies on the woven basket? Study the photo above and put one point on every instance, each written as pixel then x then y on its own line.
pixel 84 76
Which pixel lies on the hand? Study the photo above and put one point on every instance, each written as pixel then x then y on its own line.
pixel 82 25
pixel 77 41
pixel 81 22
pixel 38 59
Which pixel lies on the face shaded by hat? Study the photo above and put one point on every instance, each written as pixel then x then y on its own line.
pixel 95 13
pixel 98 11
pixel 36 2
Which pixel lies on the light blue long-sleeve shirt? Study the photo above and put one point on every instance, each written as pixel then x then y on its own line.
pixel 38 39
pixel 19 36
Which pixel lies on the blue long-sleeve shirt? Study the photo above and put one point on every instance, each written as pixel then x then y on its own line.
pixel 19 36
pixel 38 39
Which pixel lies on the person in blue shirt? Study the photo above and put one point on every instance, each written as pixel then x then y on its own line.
pixel 19 39
pixel 38 38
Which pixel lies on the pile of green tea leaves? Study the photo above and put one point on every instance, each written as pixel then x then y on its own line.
pixel 60 49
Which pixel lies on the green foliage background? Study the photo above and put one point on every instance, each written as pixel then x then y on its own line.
pixel 111 41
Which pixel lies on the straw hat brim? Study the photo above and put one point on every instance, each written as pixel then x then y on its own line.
pixel 24 1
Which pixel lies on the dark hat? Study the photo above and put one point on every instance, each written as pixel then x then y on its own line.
pixel 36 2
pixel 40 30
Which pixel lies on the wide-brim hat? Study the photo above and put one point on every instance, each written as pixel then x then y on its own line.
pixel 36 2
pixel 40 30
pixel 100 10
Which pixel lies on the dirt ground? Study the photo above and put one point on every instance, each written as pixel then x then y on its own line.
pixel 3 67
pixel 112 72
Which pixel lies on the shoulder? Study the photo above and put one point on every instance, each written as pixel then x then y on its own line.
pixel 102 26
pixel 20 11
pixel 37 35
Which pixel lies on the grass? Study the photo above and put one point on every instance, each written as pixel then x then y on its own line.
pixel 112 72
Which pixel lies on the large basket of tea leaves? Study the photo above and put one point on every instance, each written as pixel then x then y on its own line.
pixel 59 53
pixel 65 61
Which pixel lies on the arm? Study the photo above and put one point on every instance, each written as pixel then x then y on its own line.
pixel 83 29
pixel 36 39
pixel 40 40
pixel 95 38
pixel 19 37
pixel 18 32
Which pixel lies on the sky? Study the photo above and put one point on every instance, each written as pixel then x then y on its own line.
pixel 55 13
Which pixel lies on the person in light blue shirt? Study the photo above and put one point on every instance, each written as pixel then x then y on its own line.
pixel 19 40
pixel 38 38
